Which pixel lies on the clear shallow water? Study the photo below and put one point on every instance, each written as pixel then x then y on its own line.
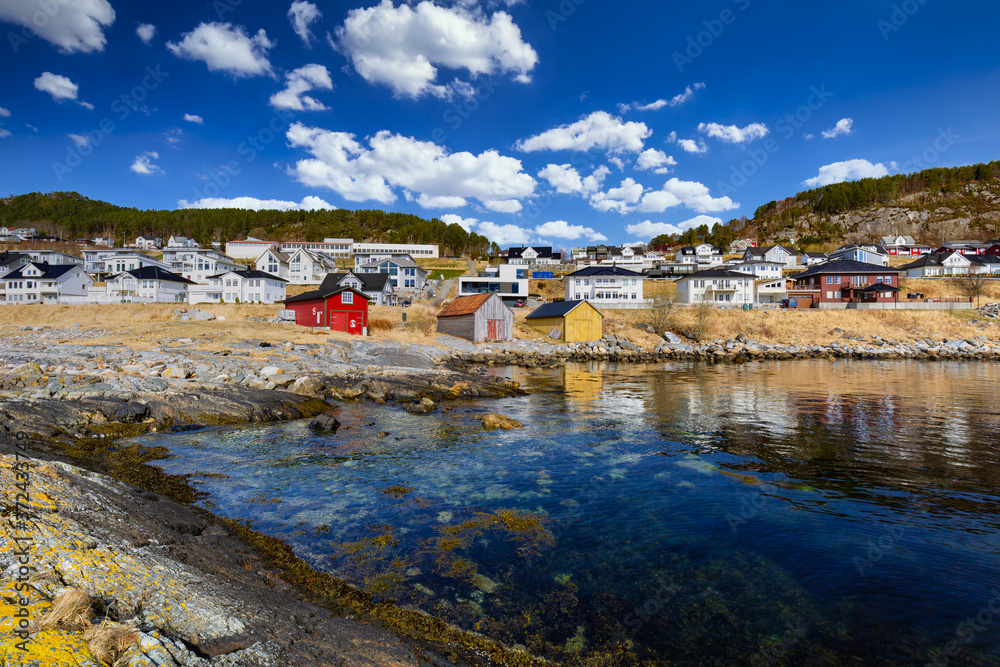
pixel 780 513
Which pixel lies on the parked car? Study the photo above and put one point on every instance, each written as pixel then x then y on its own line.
pixel 520 303
pixel 406 302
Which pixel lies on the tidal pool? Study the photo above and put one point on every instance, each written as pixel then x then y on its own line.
pixel 801 513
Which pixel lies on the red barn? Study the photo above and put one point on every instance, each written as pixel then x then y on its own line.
pixel 338 309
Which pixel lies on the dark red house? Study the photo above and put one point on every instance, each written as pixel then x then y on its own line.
pixel 846 281
pixel 338 309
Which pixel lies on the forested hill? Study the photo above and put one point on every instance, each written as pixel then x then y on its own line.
pixel 72 215
pixel 933 205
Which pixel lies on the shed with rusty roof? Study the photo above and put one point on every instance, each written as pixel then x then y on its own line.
pixel 478 317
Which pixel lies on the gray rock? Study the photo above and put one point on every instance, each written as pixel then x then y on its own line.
pixel 325 422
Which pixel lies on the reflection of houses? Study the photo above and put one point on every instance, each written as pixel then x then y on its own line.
pixel 718 286
pixel 479 318
pixel 844 281
pixel 568 321
pixel 583 381
pixel 607 285
pixel 507 280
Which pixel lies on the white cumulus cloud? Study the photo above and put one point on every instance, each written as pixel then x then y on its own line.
pixel 302 15
pixel 843 126
pixel 732 134
pixel 620 199
pixel 505 234
pixel 650 229
pixel 437 178
pixel 298 83
pixel 144 164
pixel 192 118
pixel 310 203
pixel 656 161
pixel 4 133
pixel 226 48
pixel 848 170
pixel 692 146
pixel 561 229
pixel 145 31
pixel 73 26
pixel 690 194
pixel 598 130
pixel 402 47
pixel 503 205
pixel 674 101
pixel 4 112
pixel 80 140
pixel 567 180
pixel 60 88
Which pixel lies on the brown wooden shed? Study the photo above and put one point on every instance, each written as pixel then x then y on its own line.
pixel 575 321
pixel 479 318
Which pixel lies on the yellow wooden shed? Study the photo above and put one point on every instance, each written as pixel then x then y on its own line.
pixel 575 321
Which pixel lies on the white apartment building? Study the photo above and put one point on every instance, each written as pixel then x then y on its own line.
pixel 605 285
pixel 37 282
pixel 718 286
pixel 340 248
pixel 507 280
pixel 760 270
pixel 373 252
pixel 249 248
pixel 704 254
pixel 198 264
pixel 53 257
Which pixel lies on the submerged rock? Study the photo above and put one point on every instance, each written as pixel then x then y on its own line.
pixel 325 422
pixel 425 406
pixel 493 421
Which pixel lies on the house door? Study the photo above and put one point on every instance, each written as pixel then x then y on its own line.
pixel 494 329
pixel 356 323
pixel 338 321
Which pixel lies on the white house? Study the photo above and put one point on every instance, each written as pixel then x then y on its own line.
pixel 717 286
pixel 741 245
pixel 376 286
pixel 129 261
pixel 149 243
pixel 605 285
pixel 507 280
pixel 240 286
pixel 37 282
pixel 181 242
pixel 11 261
pixel 404 273
pixel 772 253
pixel 53 257
pixel 704 255
pixel 770 291
pixel 812 258
pixel 198 264
pixel 937 265
pixel 147 284
pixel 274 262
pixel 864 254
pixel 760 270
pixel 308 267
pixel 249 248
pixel 524 256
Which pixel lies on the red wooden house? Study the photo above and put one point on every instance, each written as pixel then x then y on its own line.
pixel 338 309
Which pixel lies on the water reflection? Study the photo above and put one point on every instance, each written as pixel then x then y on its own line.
pixel 788 512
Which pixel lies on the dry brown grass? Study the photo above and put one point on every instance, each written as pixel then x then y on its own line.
pixel 109 644
pixel 70 611
pixel 935 288
pixel 100 316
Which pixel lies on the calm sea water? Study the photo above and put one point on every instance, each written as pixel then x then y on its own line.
pixel 781 513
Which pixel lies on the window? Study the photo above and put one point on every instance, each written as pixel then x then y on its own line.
pixel 829 280
pixel 347 297
pixel 836 280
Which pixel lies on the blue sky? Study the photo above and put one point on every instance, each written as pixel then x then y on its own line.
pixel 563 122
